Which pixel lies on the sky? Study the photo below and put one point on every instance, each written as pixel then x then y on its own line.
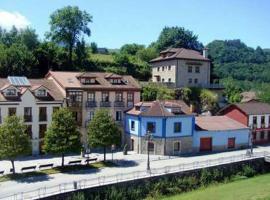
pixel 118 22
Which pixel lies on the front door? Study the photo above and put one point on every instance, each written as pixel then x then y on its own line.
pixel 132 144
pixel 206 144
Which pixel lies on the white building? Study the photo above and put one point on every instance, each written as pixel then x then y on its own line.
pixel 32 99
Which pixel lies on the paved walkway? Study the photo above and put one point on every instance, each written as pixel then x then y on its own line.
pixel 135 163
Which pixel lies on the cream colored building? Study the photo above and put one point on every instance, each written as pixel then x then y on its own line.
pixel 88 91
pixel 34 100
pixel 179 67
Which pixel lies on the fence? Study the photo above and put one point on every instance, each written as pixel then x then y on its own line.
pixel 106 180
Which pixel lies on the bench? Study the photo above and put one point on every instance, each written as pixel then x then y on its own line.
pixel 45 166
pixel 90 159
pixel 2 172
pixel 75 162
pixel 28 168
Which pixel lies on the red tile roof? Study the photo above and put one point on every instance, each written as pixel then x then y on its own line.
pixel 180 53
pixel 218 123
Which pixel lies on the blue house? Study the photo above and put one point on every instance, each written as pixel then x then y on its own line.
pixel 170 123
pixel 177 131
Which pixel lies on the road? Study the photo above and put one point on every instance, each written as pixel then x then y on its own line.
pixel 130 163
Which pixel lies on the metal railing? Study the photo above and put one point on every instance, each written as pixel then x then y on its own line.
pixel 89 104
pixel 124 177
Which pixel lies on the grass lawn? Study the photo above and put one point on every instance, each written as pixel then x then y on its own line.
pixel 56 170
pixel 247 189
pixel 102 57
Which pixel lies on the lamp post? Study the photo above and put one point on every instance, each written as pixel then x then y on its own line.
pixel 251 139
pixel 113 148
pixel 148 138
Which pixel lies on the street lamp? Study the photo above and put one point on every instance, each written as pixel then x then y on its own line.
pixel 148 138
pixel 113 148
pixel 251 139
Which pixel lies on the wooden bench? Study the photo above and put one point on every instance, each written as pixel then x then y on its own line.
pixel 28 168
pixel 75 162
pixel 90 160
pixel 45 166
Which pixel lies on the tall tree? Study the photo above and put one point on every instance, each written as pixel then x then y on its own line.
pixel 103 131
pixel 177 37
pixel 68 25
pixel 14 139
pixel 62 136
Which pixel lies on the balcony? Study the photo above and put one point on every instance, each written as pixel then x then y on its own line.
pixel 119 104
pixel 27 118
pixel 105 104
pixel 42 118
pixel 90 104
pixel 74 104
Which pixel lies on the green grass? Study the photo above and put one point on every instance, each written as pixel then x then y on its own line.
pixel 102 58
pixel 257 188
pixel 56 170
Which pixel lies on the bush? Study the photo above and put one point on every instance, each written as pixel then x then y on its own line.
pixel 248 171
pixel 206 177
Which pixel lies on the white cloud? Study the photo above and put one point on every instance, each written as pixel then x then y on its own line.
pixel 9 19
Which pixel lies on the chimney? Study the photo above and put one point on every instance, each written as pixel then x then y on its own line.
pixel 205 52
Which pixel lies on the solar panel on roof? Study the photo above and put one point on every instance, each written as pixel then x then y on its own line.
pixel 18 81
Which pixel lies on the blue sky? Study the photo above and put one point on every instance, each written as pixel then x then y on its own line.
pixel 117 22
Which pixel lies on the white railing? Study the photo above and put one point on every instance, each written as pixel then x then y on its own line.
pixel 123 177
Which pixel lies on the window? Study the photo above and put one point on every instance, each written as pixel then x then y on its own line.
pixel 176 146
pixel 177 127
pixel 88 81
pixel 190 80
pixel 74 98
pixel 27 114
pixel 151 146
pixel 158 69
pixel 169 67
pixel 41 92
pixel 262 120
pixel 169 80
pixel 163 68
pixel 11 111
pixel 197 69
pixel 42 130
pixel 254 120
pixel 91 96
pixel 11 92
pixel 130 97
pixel 118 116
pixel 195 80
pixel 115 81
pixel 189 69
pixel 151 127
pixel 118 96
pixel 231 143
pixel 55 108
pixel 163 80
pixel 42 114
pixel 133 125
pixel 105 96
pixel 29 131
pixel 91 115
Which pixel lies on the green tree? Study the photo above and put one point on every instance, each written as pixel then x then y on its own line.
pixel 147 54
pixel 62 136
pixel 131 49
pixel 177 37
pixel 94 47
pixel 153 91
pixel 67 26
pixel 103 131
pixel 14 139
pixel 208 100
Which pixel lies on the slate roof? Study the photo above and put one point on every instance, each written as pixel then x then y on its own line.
pixel 217 123
pixel 71 80
pixel 53 91
pixel 180 53
pixel 159 108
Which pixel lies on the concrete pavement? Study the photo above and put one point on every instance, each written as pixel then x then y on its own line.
pixel 130 163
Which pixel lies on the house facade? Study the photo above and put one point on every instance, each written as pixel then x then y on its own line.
pixel 179 67
pixel 85 92
pixel 32 99
pixel 177 131
pixel 253 114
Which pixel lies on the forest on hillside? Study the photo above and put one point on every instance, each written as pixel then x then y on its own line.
pixel 239 67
